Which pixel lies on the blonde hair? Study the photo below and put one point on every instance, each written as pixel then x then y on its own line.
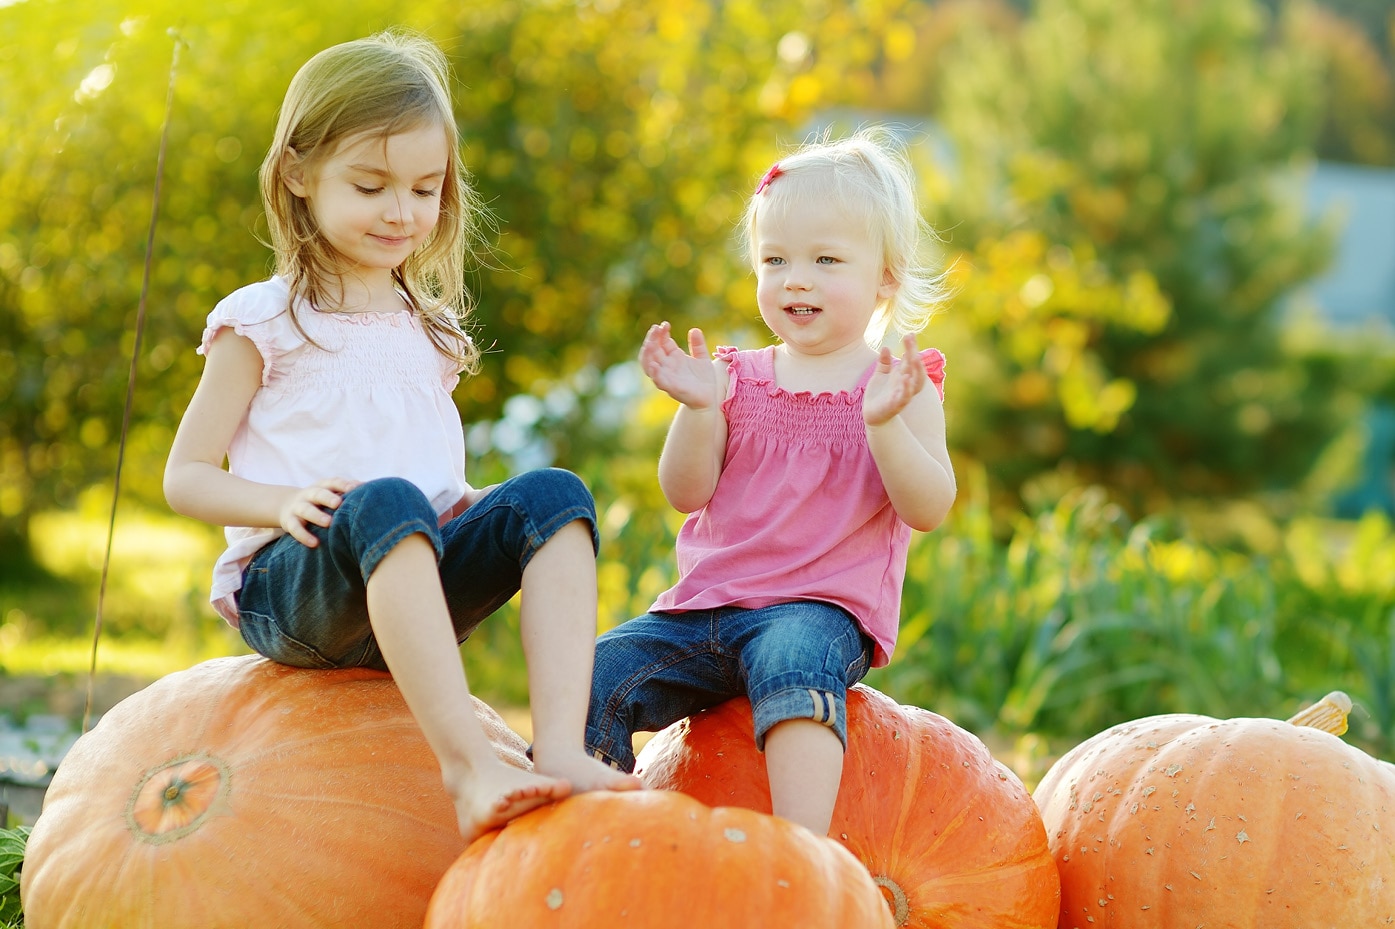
pixel 868 176
pixel 386 84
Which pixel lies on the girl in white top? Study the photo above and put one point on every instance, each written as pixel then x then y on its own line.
pixel 354 538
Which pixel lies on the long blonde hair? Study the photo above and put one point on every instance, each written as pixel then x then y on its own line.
pixel 868 176
pixel 388 83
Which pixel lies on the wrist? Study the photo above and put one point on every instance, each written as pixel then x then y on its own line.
pixel 880 425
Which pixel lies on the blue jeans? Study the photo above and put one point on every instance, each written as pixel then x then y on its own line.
pixel 793 660
pixel 308 607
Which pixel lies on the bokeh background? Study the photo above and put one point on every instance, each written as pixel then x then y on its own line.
pixel 1171 360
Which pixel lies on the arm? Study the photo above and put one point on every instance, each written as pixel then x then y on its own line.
pixel 906 433
pixel 692 457
pixel 197 485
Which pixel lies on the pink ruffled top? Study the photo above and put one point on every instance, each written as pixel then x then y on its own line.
pixel 371 397
pixel 799 512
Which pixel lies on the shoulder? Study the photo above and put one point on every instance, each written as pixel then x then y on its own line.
pixel 934 361
pixel 261 314
pixel 254 304
pixel 746 361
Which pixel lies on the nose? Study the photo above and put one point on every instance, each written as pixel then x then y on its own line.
pixel 796 277
pixel 397 210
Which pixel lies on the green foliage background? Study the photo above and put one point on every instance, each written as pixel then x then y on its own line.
pixel 1144 450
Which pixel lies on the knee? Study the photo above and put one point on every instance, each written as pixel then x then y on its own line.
pixel 551 498
pixel 390 495
pixel 382 508
pixel 563 488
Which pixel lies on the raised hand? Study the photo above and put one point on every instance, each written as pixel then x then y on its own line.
pixel 310 505
pixel 891 387
pixel 688 377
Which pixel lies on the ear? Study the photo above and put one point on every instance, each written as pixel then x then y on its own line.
pixel 293 172
pixel 889 285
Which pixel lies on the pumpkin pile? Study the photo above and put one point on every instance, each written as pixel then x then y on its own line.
pixel 245 793
pixel 654 860
pixel 1179 821
pixel 949 834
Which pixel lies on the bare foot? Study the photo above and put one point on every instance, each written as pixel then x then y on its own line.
pixel 584 772
pixel 499 793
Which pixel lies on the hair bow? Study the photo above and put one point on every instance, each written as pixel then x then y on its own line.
pixel 770 175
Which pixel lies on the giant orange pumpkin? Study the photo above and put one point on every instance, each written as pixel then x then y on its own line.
pixel 245 793
pixel 949 834
pixel 654 860
pixel 1179 821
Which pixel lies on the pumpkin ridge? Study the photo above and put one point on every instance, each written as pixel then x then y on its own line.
pixel 358 805
pixel 915 761
pixel 329 739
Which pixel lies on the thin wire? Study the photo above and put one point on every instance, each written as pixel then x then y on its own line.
pixel 131 379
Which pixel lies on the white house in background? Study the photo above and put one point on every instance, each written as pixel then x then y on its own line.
pixel 1359 288
pixel 1357 294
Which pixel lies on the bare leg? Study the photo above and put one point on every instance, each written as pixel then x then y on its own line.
pixel 558 619
pixel 413 628
pixel 804 760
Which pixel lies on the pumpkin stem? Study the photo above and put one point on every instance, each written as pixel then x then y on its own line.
pixel 895 899
pixel 1329 714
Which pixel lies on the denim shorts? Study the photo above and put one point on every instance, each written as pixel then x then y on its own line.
pixel 793 660
pixel 308 607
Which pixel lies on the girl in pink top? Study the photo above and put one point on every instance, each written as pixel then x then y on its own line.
pixel 354 538
pixel 803 467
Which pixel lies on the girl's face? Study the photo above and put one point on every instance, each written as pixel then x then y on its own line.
pixel 376 198
pixel 819 276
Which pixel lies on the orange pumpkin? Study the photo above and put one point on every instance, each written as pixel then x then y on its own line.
pixel 654 860
pixel 1178 821
pixel 949 834
pixel 245 793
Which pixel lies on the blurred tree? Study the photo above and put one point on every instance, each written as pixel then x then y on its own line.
pixel 1358 122
pixel 1123 204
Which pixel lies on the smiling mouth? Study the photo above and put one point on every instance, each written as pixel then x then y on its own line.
pixel 802 310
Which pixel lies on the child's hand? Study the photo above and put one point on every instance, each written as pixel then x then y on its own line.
pixel 690 378
pixel 890 390
pixel 309 506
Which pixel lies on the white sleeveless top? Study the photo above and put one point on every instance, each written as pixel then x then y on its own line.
pixel 370 398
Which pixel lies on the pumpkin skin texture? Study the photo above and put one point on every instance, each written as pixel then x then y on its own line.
pixel 1176 821
pixel 653 860
pixel 245 793
pixel 950 835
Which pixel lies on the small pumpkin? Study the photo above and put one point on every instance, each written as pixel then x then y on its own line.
pixel 244 793
pixel 1177 821
pixel 653 860
pixel 949 834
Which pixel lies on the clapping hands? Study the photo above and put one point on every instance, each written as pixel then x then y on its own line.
pixel 688 377
pixel 892 387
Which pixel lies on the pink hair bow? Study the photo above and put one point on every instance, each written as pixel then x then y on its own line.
pixel 770 175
